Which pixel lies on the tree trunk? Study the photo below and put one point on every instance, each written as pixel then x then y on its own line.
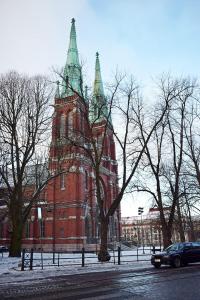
pixel 180 223
pixel 103 253
pixel 167 235
pixel 192 236
pixel 165 227
pixel 16 239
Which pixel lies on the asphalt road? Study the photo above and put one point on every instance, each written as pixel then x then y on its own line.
pixel 163 284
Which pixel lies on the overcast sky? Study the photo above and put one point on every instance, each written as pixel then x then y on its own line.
pixel 142 37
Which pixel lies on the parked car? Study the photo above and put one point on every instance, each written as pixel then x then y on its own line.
pixel 3 249
pixel 177 255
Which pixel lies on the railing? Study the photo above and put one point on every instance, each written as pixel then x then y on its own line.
pixel 3 249
pixel 32 260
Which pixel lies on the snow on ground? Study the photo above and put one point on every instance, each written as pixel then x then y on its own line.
pixel 10 268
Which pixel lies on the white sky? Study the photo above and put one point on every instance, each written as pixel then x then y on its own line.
pixel 142 37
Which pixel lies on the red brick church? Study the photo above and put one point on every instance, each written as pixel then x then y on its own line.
pixel 67 216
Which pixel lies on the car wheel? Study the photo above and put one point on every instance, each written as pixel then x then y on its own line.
pixel 157 266
pixel 177 262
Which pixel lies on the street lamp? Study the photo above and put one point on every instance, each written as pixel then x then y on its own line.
pixel 39 209
pixel 140 212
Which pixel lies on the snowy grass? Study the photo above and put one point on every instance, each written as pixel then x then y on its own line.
pixel 10 268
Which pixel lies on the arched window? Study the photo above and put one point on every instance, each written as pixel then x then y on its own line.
pixel 27 229
pixel 62 181
pixel 42 228
pixel 62 126
pixel 70 123
pixel 88 229
pixel 62 232
pixel 82 125
pixel 86 180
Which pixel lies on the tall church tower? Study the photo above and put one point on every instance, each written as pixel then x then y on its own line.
pixel 71 220
pixel 100 116
pixel 67 192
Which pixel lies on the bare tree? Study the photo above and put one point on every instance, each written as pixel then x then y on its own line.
pixel 24 123
pixel 165 156
pixel 124 102
pixel 192 136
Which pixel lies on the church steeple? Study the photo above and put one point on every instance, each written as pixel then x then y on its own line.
pixel 72 71
pixel 98 109
pixel 57 93
pixel 98 84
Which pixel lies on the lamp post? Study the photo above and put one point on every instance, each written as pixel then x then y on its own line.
pixel 140 212
pixel 40 232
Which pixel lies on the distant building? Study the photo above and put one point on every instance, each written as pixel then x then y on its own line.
pixel 68 206
pixel 146 229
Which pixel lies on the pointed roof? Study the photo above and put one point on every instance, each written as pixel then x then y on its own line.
pixel 98 109
pixel 72 54
pixel 57 93
pixel 72 71
pixel 98 84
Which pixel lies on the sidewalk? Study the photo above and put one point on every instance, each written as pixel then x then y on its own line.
pixel 10 272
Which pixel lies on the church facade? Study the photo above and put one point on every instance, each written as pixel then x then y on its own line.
pixel 66 217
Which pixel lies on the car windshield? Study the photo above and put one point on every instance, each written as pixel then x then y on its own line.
pixel 174 247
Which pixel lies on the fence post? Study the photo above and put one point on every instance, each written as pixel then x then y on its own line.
pixel 58 259
pixel 83 257
pixel 53 256
pixel 137 254
pixel 23 256
pixel 119 254
pixel 42 258
pixel 31 260
pixel 114 255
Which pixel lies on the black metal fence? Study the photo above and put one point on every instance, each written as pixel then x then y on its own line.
pixel 3 250
pixel 32 259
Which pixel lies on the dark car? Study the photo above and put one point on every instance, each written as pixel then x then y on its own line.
pixel 177 255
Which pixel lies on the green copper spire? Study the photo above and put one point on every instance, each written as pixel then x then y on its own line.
pixel 98 85
pixel 72 71
pixel 72 55
pixel 98 109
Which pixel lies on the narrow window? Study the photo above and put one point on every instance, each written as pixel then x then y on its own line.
pixel 70 123
pixel 62 232
pixel 42 228
pixel 82 129
pixel 62 181
pixel 27 230
pixel 86 180
pixel 62 126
